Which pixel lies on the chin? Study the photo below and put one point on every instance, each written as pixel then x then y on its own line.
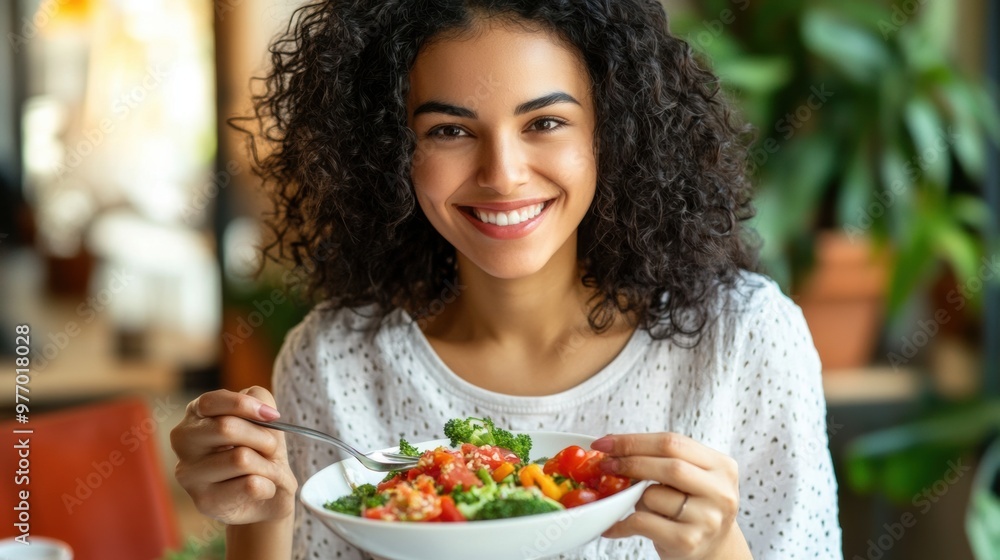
pixel 510 269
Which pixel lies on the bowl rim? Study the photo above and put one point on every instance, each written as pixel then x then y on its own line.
pixel 637 487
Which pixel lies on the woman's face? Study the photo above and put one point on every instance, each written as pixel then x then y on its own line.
pixel 504 166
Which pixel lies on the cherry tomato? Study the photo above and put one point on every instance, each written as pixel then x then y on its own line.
pixel 579 497
pixel 612 484
pixel 566 461
pixel 579 464
pixel 589 471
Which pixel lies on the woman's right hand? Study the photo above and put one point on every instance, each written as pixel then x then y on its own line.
pixel 235 471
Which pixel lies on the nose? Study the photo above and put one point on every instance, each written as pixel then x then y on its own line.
pixel 503 165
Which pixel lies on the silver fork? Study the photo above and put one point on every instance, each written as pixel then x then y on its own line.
pixel 376 460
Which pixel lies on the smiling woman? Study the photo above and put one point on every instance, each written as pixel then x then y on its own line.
pixel 524 150
pixel 566 176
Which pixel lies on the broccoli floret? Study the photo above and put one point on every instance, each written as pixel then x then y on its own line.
pixel 516 507
pixel 482 431
pixel 469 501
pixel 364 496
pixel 406 449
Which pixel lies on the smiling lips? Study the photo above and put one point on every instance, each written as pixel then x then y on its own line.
pixel 506 221
pixel 512 218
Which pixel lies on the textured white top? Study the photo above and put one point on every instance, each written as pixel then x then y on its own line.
pixel 750 389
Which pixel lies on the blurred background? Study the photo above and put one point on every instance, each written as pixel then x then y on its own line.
pixel 128 226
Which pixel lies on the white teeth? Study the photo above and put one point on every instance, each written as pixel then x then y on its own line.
pixel 509 218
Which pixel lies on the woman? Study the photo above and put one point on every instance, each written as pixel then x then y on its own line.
pixel 531 211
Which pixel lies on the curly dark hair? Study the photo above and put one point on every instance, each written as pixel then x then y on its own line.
pixel 664 234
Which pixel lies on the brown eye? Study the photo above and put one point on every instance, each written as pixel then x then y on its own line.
pixel 445 132
pixel 548 124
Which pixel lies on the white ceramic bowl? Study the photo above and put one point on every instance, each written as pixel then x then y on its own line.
pixel 520 538
pixel 41 548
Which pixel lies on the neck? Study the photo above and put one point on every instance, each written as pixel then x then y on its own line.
pixel 536 309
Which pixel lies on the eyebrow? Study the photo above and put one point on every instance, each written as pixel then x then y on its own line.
pixel 526 107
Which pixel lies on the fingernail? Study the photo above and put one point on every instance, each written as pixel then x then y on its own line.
pixel 268 413
pixel 605 444
pixel 609 465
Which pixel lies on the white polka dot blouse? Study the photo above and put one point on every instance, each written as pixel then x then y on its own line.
pixel 751 389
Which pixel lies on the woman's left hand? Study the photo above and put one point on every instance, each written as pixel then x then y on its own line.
pixel 691 513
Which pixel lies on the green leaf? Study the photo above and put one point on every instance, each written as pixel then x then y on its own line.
pixel 966 133
pixel 988 109
pixel 930 140
pixel 902 460
pixel 912 263
pixel 755 74
pixel 936 22
pixel 897 175
pixel 972 211
pixel 958 248
pixel 919 55
pixel 856 191
pixel 856 52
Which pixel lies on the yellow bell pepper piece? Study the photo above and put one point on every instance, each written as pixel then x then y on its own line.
pixel 502 471
pixel 532 475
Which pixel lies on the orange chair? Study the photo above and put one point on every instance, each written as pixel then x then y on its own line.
pixel 95 481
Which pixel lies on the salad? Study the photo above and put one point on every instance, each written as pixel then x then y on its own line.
pixel 488 475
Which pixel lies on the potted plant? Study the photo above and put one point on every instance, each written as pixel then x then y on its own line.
pixel 870 145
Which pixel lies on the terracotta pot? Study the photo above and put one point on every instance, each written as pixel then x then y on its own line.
pixel 843 299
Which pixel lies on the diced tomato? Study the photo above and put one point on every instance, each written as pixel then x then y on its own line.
pixel 488 456
pixel 612 484
pixel 391 483
pixel 579 497
pixel 413 473
pixel 457 473
pixel 449 513
pixel 381 512
pixel 416 501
